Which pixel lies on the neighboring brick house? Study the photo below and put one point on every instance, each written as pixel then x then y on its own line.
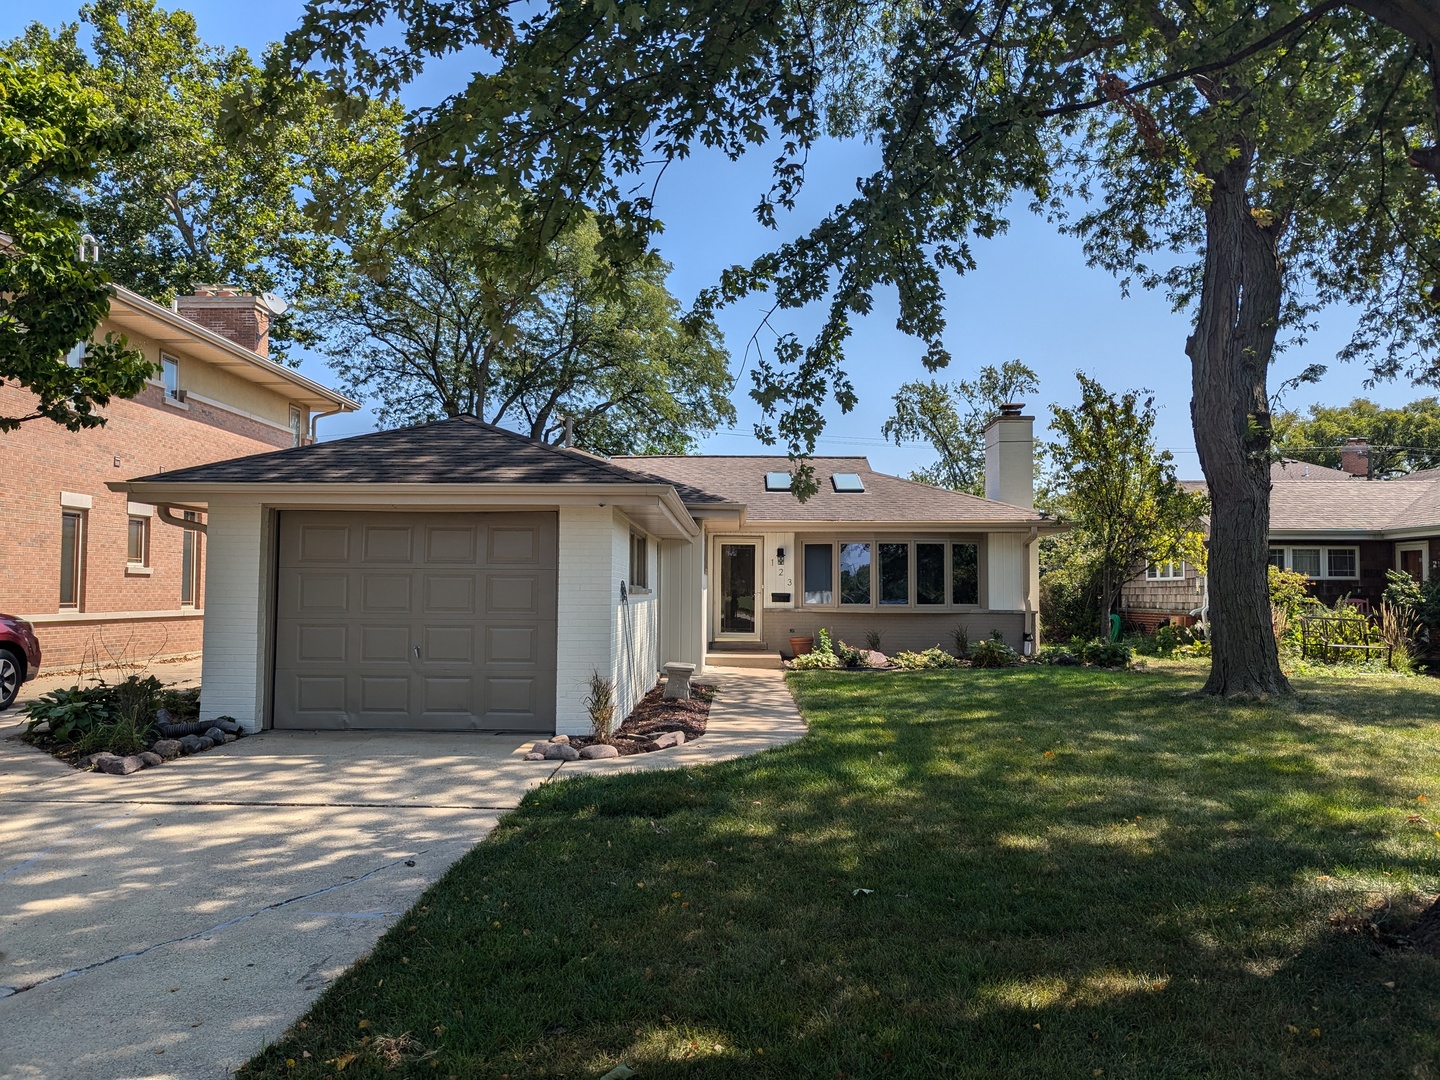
pixel 1336 526
pixel 102 579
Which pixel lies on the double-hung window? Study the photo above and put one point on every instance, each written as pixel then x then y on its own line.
pixel 170 376
pixel 137 541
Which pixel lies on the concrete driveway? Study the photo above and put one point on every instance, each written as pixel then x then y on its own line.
pixel 169 923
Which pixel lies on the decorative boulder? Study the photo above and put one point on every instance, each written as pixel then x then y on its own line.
pixel 215 735
pixel 533 756
pixel 599 750
pixel 540 748
pixel 150 758
pixel 206 742
pixel 191 744
pixel 559 738
pixel 668 738
pixel 562 752
pixel 93 761
pixel 121 766
pixel 167 748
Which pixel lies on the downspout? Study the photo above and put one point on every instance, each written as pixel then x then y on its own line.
pixel 1030 623
pixel 315 419
pixel 167 515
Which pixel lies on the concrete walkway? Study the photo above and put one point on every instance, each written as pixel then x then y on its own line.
pixel 170 923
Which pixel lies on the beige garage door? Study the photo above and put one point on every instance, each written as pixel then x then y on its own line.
pixel 423 622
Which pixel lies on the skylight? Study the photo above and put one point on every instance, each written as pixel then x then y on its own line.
pixel 777 481
pixel 847 482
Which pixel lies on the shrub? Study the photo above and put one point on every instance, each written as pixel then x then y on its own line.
pixel 823 642
pixel 922 661
pixel 1057 656
pixel 600 704
pixel 872 640
pixel 1110 654
pixel 1196 649
pixel 71 714
pixel 1164 641
pixel 992 653
pixel 815 661
pixel 960 637
pixel 851 657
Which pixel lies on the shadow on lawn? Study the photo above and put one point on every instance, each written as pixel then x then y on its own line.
pixel 1005 874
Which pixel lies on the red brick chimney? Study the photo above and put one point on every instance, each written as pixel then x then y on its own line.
pixel 239 316
pixel 1355 457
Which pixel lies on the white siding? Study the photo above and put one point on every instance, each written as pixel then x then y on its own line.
pixel 682 612
pixel 588 593
pixel 777 578
pixel 237 576
pixel 1005 572
pixel 636 623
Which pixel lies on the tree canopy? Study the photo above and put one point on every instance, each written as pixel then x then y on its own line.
pixel 1257 161
pixel 1401 440
pixel 55 134
pixel 436 320
pixel 202 200
pixel 951 418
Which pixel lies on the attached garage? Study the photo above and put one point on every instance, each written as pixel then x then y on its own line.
pixel 416 621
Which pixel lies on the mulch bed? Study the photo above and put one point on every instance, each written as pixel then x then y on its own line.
pixel 653 715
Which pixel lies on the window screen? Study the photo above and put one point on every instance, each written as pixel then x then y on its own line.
pixel 854 573
pixel 964 574
pixel 894 573
pixel 929 573
pixel 819 574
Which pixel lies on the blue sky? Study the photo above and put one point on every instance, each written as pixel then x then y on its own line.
pixel 1032 297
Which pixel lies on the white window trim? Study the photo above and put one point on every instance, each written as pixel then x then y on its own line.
pixel 1170 570
pixel 641 588
pixel 175 398
pixel 1324 549
pixel 875 540
pixel 1423 547
pixel 143 563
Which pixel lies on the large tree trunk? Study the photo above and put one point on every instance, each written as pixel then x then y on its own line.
pixel 1230 353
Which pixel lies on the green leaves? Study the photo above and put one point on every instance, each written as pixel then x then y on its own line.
pixel 54 135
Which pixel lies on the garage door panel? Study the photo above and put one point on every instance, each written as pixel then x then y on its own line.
pixel 324 544
pixel 450 544
pixel 388 544
pixel 385 592
pixel 323 644
pixel 449 644
pixel 449 593
pixel 360 592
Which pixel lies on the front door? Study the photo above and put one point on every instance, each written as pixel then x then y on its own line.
pixel 1412 561
pixel 738 613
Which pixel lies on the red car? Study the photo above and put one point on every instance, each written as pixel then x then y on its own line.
pixel 19 657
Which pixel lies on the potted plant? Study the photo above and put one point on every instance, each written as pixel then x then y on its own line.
pixel 802 645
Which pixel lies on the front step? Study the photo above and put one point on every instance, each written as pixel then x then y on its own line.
pixel 750 659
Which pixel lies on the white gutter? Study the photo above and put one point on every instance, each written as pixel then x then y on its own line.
pixel 1030 626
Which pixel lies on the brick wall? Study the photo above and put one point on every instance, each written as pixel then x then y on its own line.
pixel 41 460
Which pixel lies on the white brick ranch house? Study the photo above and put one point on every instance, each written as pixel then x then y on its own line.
pixel 456 576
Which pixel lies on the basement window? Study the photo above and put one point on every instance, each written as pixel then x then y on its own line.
pixel 847 483
pixel 777 481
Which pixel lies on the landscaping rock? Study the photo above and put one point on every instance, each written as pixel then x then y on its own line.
pixel 206 742
pixel 540 748
pixel 559 738
pixel 214 734
pixel 668 738
pixel 150 758
pixel 562 752
pixel 229 737
pixel 599 750
pixel 167 748
pixel 92 761
pixel 121 766
pixel 190 744
pixel 533 756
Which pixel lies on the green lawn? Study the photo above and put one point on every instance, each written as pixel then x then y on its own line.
pixel 1067 873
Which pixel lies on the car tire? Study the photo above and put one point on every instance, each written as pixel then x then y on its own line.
pixel 12 674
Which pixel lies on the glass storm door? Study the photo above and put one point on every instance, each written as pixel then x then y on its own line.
pixel 737 590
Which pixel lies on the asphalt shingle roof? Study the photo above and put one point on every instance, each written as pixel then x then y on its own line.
pixel 462 450
pixel 741 480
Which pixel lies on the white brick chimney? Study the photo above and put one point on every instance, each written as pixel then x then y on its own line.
pixel 1010 457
